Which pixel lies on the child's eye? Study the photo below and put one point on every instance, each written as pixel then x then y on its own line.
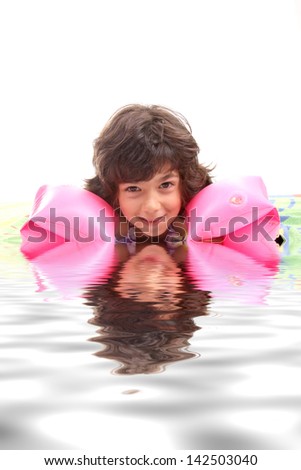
pixel 132 189
pixel 167 185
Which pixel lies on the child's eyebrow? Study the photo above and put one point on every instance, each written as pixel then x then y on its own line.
pixel 169 175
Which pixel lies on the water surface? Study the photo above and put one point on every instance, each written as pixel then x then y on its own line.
pixel 162 351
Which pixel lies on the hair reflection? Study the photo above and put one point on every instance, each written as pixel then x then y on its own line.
pixel 146 312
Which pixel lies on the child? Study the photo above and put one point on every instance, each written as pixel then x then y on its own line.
pixel 147 168
pixel 147 171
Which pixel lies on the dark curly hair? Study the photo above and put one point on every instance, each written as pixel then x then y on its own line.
pixel 137 142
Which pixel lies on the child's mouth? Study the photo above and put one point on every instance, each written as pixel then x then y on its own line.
pixel 152 223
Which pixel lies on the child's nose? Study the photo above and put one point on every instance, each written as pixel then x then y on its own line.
pixel 151 205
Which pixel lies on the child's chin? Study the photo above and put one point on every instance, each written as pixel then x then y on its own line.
pixel 155 233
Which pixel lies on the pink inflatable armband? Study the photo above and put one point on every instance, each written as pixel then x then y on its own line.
pixel 69 239
pixel 239 215
pixel 66 214
pixel 237 209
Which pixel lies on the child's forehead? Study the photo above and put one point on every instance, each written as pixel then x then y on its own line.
pixel 160 175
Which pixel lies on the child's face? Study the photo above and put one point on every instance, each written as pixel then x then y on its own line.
pixel 152 205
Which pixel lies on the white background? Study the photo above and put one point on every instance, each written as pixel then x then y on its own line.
pixel 232 67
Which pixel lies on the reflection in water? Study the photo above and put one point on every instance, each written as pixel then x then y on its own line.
pixel 145 312
pixel 244 274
